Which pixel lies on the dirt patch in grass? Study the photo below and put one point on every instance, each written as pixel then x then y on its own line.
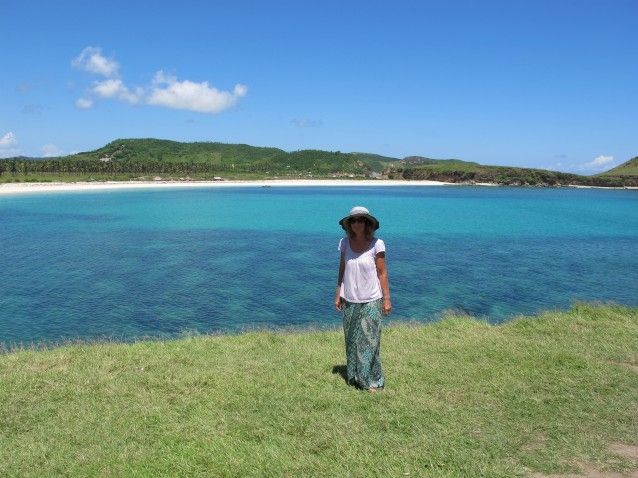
pixel 630 366
pixel 626 451
pixel 537 443
pixel 589 470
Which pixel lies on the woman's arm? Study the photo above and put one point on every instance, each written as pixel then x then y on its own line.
pixel 382 274
pixel 342 268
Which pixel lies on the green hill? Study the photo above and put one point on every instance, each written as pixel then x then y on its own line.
pixel 173 151
pixel 225 154
pixel 125 159
pixel 375 162
pixel 423 161
pixel 629 168
pixel 455 171
pixel 379 163
pixel 140 158
pixel 224 157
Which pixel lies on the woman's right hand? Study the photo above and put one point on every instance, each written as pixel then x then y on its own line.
pixel 338 303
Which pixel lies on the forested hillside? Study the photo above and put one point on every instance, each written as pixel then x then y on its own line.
pixel 143 159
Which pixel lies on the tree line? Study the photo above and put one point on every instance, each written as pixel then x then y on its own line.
pixel 81 166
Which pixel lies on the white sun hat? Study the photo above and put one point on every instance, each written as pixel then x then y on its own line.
pixel 362 212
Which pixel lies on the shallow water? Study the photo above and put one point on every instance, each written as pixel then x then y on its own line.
pixel 128 264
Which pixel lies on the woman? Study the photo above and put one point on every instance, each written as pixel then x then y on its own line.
pixel 362 294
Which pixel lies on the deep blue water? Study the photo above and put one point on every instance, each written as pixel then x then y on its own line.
pixel 129 264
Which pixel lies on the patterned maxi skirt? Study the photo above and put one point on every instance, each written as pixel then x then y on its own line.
pixel 362 330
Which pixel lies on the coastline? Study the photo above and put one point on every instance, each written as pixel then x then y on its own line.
pixel 21 188
pixel 52 187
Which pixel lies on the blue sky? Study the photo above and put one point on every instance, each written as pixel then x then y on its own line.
pixel 550 84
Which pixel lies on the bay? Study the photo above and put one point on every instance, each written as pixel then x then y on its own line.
pixel 166 262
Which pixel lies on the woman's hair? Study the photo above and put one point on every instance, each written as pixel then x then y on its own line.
pixel 369 230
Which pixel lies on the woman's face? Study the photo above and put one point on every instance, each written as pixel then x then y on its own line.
pixel 358 225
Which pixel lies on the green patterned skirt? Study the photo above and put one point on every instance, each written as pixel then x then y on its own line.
pixel 362 330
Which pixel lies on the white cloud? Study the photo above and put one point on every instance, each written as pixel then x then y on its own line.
pixel 240 90
pixel 107 88
pixel 189 95
pixel 115 88
pixel 92 60
pixel 132 97
pixel 9 139
pixel 6 142
pixel 84 103
pixel 600 161
pixel 50 150
pixel 165 90
pixel 9 153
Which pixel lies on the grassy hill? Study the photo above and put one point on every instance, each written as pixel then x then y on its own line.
pixel 416 161
pixel 462 171
pixel 628 168
pixel 225 156
pixel 173 151
pixel 375 162
pixel 555 393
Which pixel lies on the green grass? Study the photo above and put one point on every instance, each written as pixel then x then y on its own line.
pixel 628 168
pixel 463 398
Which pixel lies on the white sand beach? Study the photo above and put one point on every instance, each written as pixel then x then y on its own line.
pixel 22 188
pixel 28 188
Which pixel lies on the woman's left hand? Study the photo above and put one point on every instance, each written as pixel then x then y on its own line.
pixel 387 307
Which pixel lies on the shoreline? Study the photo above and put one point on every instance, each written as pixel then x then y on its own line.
pixel 21 188
pixel 52 187
pixel 48 345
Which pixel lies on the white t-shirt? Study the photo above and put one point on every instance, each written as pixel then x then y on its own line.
pixel 360 280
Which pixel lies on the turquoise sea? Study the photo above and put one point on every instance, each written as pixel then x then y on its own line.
pixel 165 262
